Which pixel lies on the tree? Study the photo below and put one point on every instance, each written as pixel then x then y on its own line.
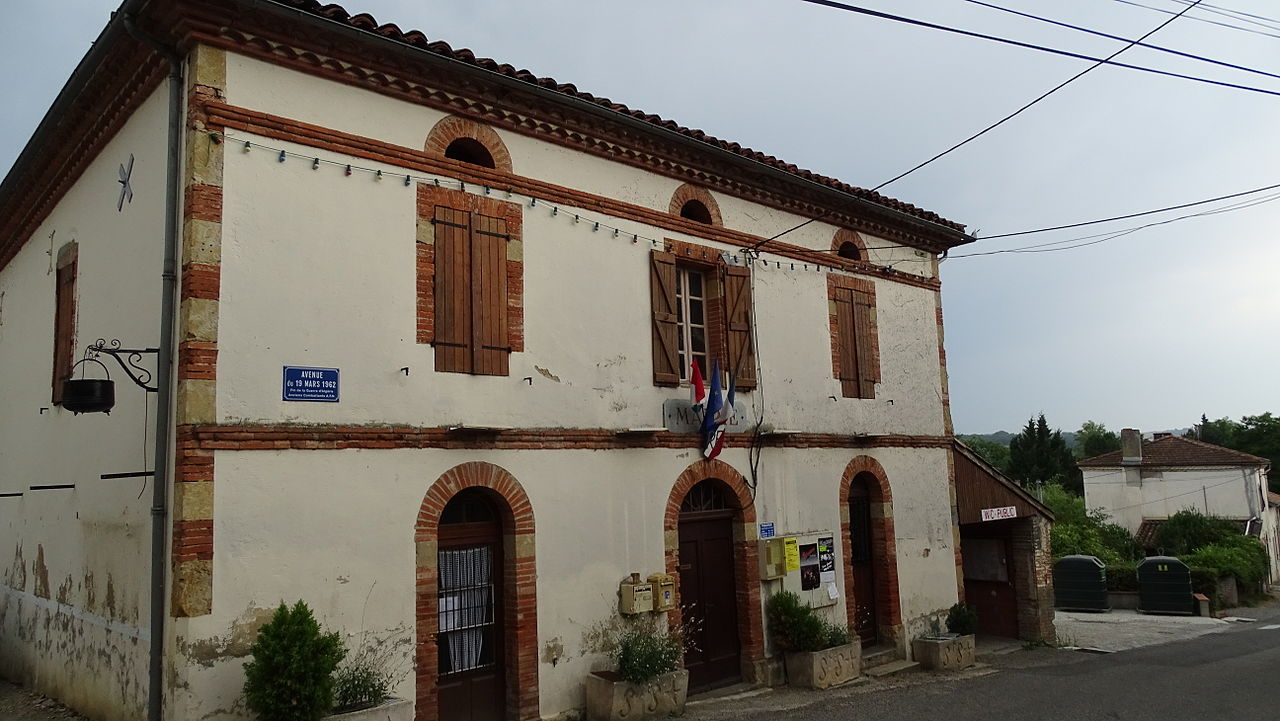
pixel 1256 435
pixel 997 454
pixel 1093 439
pixel 1039 455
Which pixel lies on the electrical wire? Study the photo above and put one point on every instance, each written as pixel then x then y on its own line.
pixel 1250 18
pixel 1203 20
pixel 1109 36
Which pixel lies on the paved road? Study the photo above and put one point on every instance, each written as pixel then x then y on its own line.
pixel 1228 675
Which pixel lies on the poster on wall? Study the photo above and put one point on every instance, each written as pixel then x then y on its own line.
pixel 792 551
pixel 827 559
pixel 809 574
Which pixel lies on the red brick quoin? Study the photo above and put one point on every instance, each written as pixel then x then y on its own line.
pixel 519 575
pixel 746 564
pixel 883 543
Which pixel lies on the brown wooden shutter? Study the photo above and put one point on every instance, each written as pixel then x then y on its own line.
pixel 848 344
pixel 738 310
pixel 490 345
pixel 662 293
pixel 453 296
pixel 868 365
pixel 64 325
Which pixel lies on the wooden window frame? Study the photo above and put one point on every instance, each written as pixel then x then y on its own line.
pixel 684 319
pixel 727 315
pixel 475 329
pixel 855 343
pixel 64 318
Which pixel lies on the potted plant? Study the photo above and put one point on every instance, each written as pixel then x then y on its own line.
pixel 362 684
pixel 290 677
pixel 953 650
pixel 818 653
pixel 649 679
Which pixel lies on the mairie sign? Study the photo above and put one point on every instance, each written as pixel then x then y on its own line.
pixel 679 416
pixel 302 383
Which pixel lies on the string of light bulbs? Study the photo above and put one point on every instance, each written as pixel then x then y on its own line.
pixel 576 216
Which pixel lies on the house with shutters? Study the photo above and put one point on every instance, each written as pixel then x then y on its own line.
pixel 408 334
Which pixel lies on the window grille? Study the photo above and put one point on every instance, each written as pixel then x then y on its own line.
pixel 467 625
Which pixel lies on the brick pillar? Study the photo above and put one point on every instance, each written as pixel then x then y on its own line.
pixel 1033 572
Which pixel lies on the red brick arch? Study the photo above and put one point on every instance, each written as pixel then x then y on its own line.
pixel 843 236
pixel 520 615
pixel 745 555
pixel 688 192
pixel 883 541
pixel 453 127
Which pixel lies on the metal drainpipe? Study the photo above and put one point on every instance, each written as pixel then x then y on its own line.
pixel 164 372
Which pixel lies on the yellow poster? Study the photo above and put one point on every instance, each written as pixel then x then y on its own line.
pixel 793 555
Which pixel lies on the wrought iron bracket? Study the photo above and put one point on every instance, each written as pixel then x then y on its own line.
pixel 128 358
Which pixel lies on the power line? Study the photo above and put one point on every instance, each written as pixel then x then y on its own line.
pixel 1020 110
pixel 1259 20
pixel 1122 39
pixel 1203 20
pixel 1134 215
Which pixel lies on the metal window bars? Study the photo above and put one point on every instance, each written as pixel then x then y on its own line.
pixel 466 605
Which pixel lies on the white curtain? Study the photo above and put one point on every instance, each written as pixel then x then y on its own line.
pixel 466 603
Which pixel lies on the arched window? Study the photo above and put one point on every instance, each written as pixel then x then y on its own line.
pixel 695 210
pixel 696 204
pixel 848 244
pixel 469 150
pixel 850 250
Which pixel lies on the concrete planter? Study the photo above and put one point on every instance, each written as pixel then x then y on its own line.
pixel 826 668
pixel 393 709
pixel 945 653
pixel 609 698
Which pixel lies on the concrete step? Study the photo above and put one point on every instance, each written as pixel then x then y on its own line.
pixel 878 656
pixel 892 668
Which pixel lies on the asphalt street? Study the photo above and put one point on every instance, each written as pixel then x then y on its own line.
pixel 1232 674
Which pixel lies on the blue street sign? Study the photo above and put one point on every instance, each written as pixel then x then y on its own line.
pixel 310 384
pixel 766 529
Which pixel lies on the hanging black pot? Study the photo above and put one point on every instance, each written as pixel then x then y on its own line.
pixel 89 395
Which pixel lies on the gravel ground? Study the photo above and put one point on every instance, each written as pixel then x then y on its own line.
pixel 18 704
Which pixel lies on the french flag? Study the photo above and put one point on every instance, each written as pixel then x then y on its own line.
pixel 718 415
pixel 698 392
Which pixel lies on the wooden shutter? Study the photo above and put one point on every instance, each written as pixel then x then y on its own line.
pixel 662 293
pixel 847 350
pixel 64 325
pixel 453 299
pixel 490 346
pixel 868 365
pixel 738 310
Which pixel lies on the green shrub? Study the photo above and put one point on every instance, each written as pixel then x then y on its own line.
pixel 649 648
pixel 290 677
pixel 795 626
pixel 367 676
pixel 962 619
pixel 1205 581
pixel 1089 533
pixel 1122 577
pixel 1241 556
pixel 1189 530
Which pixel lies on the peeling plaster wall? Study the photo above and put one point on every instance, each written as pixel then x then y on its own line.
pixel 75 562
pixel 350 555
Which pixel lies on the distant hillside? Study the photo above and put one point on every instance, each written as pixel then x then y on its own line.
pixel 1003 437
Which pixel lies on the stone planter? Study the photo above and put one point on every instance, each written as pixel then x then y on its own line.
pixel 393 709
pixel 609 698
pixel 949 652
pixel 826 668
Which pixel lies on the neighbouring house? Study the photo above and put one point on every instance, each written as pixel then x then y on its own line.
pixel 422 360
pixel 1147 481
pixel 1004 540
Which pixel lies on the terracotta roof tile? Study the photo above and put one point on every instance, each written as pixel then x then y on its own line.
pixel 1179 451
pixel 1273 498
pixel 365 21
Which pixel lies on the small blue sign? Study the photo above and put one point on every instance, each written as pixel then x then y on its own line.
pixel 310 384
pixel 766 530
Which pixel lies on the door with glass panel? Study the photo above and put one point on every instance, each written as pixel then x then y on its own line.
pixel 471 684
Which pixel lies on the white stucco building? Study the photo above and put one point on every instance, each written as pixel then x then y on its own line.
pixel 431 313
pixel 1146 482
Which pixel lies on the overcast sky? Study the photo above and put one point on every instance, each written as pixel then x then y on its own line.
pixel 1148 330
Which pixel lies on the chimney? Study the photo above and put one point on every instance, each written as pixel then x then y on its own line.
pixel 1160 434
pixel 1130 447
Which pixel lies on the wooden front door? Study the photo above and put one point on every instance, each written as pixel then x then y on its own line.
pixel 472 685
pixel 708 590
pixel 862 561
pixel 989 584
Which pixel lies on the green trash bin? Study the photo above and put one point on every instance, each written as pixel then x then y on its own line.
pixel 1164 586
pixel 1080 584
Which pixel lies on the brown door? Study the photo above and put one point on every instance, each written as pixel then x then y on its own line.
pixel 989 585
pixel 708 595
pixel 862 561
pixel 471 683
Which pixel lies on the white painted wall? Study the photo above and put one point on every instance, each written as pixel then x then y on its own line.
pixel 1225 492
pixel 73 602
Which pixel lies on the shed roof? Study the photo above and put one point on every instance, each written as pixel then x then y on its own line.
pixel 980 485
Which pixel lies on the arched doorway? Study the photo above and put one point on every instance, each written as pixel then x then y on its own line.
pixel 708 587
pixel 871 549
pixel 477 610
pixel 470 602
